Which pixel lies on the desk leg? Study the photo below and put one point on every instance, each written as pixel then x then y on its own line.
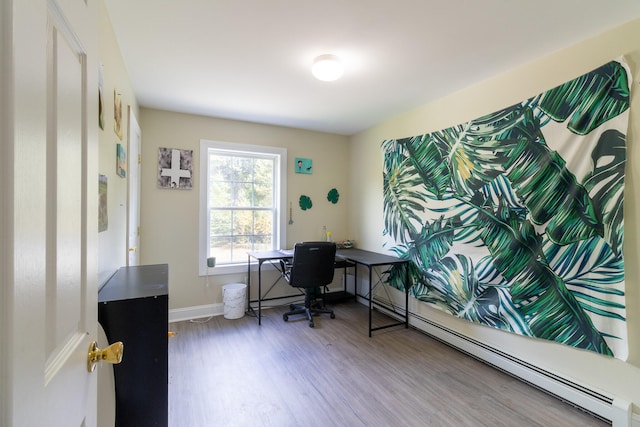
pixel 355 289
pixel 370 299
pixel 249 283
pixel 259 292
pixel 355 282
pixel 344 280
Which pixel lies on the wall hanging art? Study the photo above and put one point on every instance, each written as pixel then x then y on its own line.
pixel 514 220
pixel 305 202
pixel 103 213
pixel 101 96
pixel 303 165
pixel 290 213
pixel 117 113
pixel 121 161
pixel 333 196
pixel 175 168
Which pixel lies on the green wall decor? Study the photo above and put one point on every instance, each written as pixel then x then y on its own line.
pixel 333 196
pixel 514 220
pixel 305 202
pixel 303 165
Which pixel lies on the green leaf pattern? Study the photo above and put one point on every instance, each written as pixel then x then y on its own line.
pixel 333 196
pixel 305 202
pixel 498 228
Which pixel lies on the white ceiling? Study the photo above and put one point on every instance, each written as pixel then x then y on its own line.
pixel 250 59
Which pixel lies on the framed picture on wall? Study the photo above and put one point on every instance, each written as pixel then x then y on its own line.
pixel 303 165
pixel 175 168
pixel 103 217
pixel 100 97
pixel 117 113
pixel 121 161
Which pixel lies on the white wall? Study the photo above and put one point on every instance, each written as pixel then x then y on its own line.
pixel 366 204
pixel 169 218
pixel 112 242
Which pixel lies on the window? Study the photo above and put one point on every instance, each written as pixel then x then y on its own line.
pixel 242 206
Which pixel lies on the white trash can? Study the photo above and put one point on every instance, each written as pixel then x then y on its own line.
pixel 234 298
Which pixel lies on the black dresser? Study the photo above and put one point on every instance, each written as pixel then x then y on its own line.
pixel 133 307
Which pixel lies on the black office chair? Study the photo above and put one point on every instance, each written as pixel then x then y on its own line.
pixel 311 269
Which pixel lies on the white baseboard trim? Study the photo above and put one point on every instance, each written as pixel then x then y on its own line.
pixel 612 408
pixel 196 312
pixel 200 311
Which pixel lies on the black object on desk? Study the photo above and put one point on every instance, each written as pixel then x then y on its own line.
pixel 133 307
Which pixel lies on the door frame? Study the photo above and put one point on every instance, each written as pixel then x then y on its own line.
pixel 133 130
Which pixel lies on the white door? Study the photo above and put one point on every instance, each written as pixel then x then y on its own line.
pixel 48 223
pixel 133 214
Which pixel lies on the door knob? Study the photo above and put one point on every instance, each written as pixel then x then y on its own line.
pixel 111 354
pixel 133 249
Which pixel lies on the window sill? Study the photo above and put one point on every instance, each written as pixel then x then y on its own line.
pixel 235 268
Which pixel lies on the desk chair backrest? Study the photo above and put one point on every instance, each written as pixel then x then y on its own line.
pixel 312 264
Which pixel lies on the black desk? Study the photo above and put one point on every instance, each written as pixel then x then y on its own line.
pixel 262 257
pixel 371 260
pixel 351 257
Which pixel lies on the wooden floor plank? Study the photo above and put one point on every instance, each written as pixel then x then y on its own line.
pixel 236 373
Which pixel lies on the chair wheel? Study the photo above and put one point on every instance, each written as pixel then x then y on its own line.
pixel 333 316
pixel 285 317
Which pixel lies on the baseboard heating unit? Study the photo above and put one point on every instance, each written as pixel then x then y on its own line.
pixel 608 408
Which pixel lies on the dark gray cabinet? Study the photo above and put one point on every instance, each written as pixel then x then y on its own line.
pixel 133 307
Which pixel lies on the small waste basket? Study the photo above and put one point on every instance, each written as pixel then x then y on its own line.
pixel 234 298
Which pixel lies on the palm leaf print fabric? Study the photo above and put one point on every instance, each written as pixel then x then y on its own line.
pixel 514 220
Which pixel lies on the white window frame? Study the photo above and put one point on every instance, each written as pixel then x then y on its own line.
pixel 280 187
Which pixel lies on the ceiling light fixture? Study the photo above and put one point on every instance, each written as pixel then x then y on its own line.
pixel 327 68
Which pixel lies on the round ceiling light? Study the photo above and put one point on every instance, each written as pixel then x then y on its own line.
pixel 327 68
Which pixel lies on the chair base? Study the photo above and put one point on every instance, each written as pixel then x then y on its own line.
pixel 309 311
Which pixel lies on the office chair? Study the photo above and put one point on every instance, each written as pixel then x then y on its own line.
pixel 311 269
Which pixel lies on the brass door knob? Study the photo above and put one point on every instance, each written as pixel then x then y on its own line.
pixel 111 354
pixel 133 249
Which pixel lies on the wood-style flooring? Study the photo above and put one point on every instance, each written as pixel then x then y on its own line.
pixel 236 373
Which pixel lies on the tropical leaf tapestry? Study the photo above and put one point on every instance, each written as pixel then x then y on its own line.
pixel 514 220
